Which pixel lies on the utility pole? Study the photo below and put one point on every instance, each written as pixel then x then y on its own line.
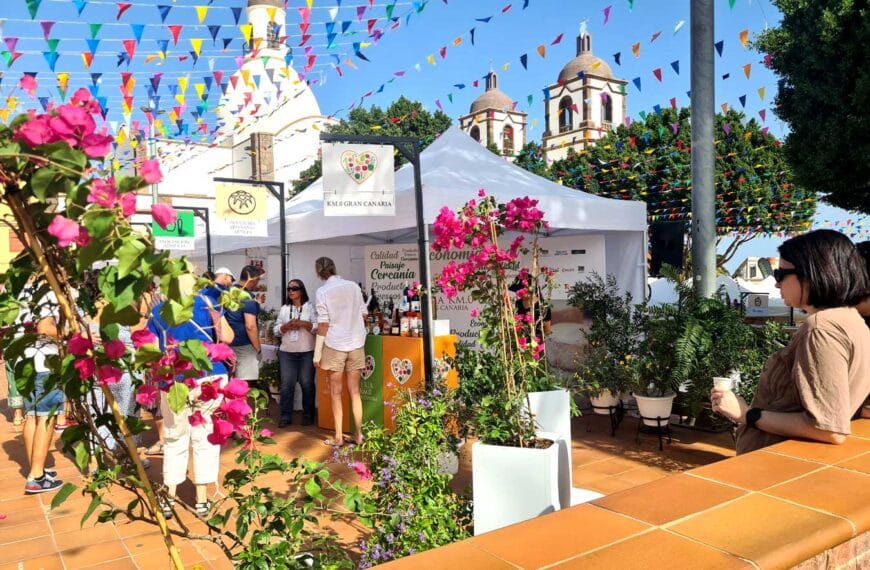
pixel 703 153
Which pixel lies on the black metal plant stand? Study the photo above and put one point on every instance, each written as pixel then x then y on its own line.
pixel 616 413
pixel 662 428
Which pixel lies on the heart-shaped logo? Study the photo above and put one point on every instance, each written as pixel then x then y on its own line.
pixel 442 367
pixel 401 369
pixel 359 166
pixel 369 368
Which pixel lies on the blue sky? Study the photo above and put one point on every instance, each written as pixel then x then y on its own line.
pixel 501 36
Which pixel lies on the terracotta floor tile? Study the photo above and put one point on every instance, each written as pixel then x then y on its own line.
pixel 642 475
pixel 668 499
pixel 607 485
pixel 557 536
pixel 457 555
pixel 71 522
pixel 90 555
pixel 50 562
pixel 34 529
pixel 127 529
pixel 654 550
pixel 21 516
pixel 860 463
pixel 829 454
pixel 148 542
pixel 86 537
pixel 25 549
pixel 756 471
pixel 764 530
pixel 125 563
pixel 861 428
pixel 852 499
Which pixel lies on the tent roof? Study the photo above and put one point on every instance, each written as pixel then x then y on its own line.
pixel 454 168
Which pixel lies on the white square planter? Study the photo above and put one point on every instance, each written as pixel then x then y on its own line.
pixel 552 411
pixel 512 484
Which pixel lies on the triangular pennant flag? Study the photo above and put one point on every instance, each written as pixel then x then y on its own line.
pixel 719 45
pixel 46 28
pixel 761 93
pixel 80 5
pixel 725 109
pixel 122 7
pixel 137 31
pixel 471 33
pixel 200 89
pixel 162 45
pixel 130 48
pixel 155 81
pixel 52 44
pixel 88 59
pixel 95 29
pixel 92 44
pixel 443 52
pixel 673 102
pixel 175 30
pixel 742 100
pixel 345 24
pixel 201 12
pixel 213 30
pixel 763 114
pixel 33 7
pixel 658 73
pixel 194 55
pixel 676 66
pixel 606 14
pixel 237 12
pixel 747 70
pixel 227 42
pixel 744 37
pixel 50 58
pixel 655 37
pixel 44 102
pixel 196 44
pixel 616 57
pixel 636 82
pixel 635 49
pixel 164 11
pixel 557 40
pixel 247 30
pixel 542 50
pixel 524 59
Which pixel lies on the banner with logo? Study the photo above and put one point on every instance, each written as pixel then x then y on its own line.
pixel 240 210
pixel 358 180
pixel 179 235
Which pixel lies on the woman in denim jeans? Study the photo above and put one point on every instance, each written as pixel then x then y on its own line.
pixel 295 326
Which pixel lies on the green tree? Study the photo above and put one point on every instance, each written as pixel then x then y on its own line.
pixel 651 161
pixel 531 158
pixel 403 118
pixel 493 148
pixel 820 53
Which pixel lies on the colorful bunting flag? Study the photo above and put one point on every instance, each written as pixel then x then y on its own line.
pixel 606 14
pixel 744 37
pixel 719 46
pixel 676 66
pixel 635 49
pixel 747 69
pixel 122 7
pixel 164 11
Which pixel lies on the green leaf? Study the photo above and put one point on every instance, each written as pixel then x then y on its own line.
pixel 95 502
pixel 98 222
pixel 127 316
pixel 82 456
pixel 148 353
pixel 130 184
pixel 42 183
pixel 177 397
pixel 133 504
pixel 194 352
pixel 9 309
pixel 129 255
pixel 175 313
pixel 98 250
pixel 10 148
pixel 313 489
pixel 62 495
pixel 71 158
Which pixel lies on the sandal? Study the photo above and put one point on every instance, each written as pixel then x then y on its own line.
pixel 203 509
pixel 60 427
pixel 156 449
pixel 166 506
pixel 331 442
pixel 18 424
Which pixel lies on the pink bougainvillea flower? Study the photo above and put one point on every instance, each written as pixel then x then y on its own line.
pixel 86 367
pixel 97 145
pixel 217 351
pixel 84 238
pixel 108 374
pixel 142 337
pixel 82 98
pixel 481 192
pixel 208 391
pixel 36 131
pixel 474 313
pixel 147 395
pixel 221 431
pixel 163 214
pixel 103 192
pixel 65 230
pixel 114 349
pixel 362 470
pixel 235 389
pixel 266 432
pixel 28 83
pixel 196 419
pixel 128 204
pixel 72 123
pixel 79 345
pixel 150 172
pixel 236 411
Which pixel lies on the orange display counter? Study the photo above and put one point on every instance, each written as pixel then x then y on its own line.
pixel 393 363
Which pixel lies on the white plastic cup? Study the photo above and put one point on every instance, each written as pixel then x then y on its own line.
pixel 723 383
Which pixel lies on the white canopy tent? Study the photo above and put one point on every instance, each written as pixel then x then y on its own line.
pixel 454 168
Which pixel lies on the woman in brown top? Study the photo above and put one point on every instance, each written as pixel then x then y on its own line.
pixel 812 387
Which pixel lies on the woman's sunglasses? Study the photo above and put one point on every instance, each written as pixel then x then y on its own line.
pixel 780 274
pixel 293 288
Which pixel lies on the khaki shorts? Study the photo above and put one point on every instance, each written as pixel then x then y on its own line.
pixel 342 361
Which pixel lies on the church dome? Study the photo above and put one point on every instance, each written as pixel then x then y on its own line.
pixel 585 61
pixel 492 98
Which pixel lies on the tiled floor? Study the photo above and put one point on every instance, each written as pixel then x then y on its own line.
pixel 33 536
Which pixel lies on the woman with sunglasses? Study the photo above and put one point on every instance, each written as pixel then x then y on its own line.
pixel 295 326
pixel 813 387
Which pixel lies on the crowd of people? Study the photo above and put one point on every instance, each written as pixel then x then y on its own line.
pixel 811 389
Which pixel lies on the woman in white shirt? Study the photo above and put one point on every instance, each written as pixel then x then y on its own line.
pixel 295 326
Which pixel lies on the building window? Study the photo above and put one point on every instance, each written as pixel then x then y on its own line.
pixel 586 111
pixel 475 133
pixel 566 115
pixel 272 38
pixel 606 108
pixel 507 141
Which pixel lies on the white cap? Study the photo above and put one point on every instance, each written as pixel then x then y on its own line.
pixel 225 271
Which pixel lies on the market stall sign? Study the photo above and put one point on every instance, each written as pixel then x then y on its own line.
pixel 178 235
pixel 358 180
pixel 240 210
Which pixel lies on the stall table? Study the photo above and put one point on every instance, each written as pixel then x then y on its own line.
pixel 393 363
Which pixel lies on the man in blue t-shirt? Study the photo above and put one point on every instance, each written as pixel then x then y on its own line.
pixel 246 340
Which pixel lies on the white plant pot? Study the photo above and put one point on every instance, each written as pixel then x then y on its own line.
pixel 655 407
pixel 603 401
pixel 512 484
pixel 552 412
